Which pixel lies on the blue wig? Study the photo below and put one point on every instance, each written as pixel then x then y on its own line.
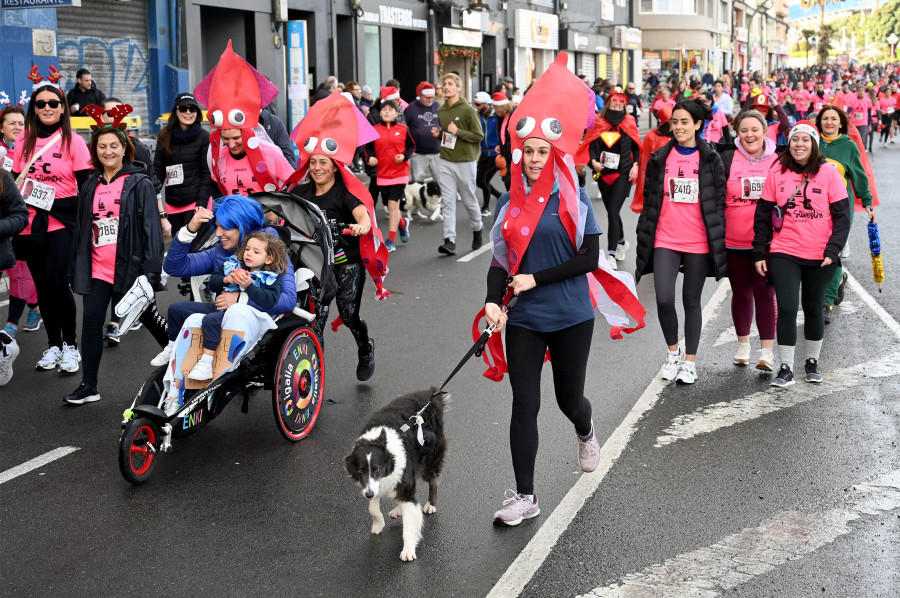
pixel 239 212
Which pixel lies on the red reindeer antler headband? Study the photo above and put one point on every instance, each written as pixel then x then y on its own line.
pixel 35 75
pixel 118 113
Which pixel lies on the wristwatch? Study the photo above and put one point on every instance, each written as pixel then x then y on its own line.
pixel 163 214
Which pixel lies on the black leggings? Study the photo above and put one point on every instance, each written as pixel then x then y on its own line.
pixel 787 276
pixel 350 278
pixel 94 317
pixel 614 197
pixel 666 263
pixel 569 349
pixel 484 172
pixel 48 260
pixel 16 309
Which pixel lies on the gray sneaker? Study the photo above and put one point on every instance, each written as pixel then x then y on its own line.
pixel 70 359
pixel 516 508
pixel 8 354
pixel 50 359
pixel 589 453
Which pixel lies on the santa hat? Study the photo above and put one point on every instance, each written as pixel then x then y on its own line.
pixel 500 99
pixel 424 89
pixel 390 93
pixel 805 126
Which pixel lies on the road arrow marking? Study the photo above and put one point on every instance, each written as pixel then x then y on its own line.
pixel 741 557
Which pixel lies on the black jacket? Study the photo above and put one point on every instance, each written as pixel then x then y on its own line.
pixel 84 98
pixel 712 206
pixel 197 185
pixel 142 155
pixel 278 133
pixel 13 219
pixel 139 247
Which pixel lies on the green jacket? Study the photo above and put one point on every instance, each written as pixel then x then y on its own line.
pixel 844 154
pixel 468 135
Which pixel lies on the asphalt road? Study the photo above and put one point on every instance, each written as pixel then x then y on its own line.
pixel 697 475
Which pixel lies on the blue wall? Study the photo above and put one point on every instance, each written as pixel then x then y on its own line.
pixel 16 50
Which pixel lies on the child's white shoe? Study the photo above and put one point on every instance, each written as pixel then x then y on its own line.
pixel 202 371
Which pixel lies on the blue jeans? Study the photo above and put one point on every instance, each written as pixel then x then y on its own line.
pixel 179 312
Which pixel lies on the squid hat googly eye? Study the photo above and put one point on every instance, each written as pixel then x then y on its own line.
pixel 557 109
pixel 234 92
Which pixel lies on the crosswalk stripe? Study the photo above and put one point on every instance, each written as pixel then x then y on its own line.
pixel 35 463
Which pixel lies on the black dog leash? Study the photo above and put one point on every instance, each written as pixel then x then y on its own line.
pixel 477 349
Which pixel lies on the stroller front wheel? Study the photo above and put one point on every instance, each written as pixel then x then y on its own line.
pixel 138 450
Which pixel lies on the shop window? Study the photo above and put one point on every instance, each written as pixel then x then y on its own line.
pixel 681 7
pixel 373 78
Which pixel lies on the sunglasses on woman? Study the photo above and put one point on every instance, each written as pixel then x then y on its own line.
pixel 185 109
pixel 41 104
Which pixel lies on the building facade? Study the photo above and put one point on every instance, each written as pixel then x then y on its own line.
pixel 145 52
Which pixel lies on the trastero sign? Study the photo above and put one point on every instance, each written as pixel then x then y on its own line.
pixel 393 16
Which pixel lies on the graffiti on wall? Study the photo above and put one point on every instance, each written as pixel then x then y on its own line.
pixel 118 66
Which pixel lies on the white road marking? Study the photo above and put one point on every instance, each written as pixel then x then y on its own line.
pixel 473 254
pixel 35 463
pixel 533 555
pixel 728 413
pixel 741 557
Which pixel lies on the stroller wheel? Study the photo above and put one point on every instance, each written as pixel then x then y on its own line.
pixel 299 384
pixel 138 450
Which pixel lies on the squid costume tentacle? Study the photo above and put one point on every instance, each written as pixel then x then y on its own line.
pixel 234 92
pixel 335 127
pixel 547 113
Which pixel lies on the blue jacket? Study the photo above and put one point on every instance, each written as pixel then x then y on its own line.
pixel 179 262
pixel 491 134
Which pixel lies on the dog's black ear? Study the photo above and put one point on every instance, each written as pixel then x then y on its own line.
pixel 382 439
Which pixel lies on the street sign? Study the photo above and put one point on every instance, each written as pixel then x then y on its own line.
pixel 38 3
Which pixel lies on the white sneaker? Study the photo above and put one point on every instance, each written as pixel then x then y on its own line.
pixel 8 354
pixel 202 371
pixel 163 356
pixel 611 259
pixel 766 361
pixel 69 360
pixel 687 373
pixel 50 359
pixel 742 357
pixel 620 251
pixel 670 369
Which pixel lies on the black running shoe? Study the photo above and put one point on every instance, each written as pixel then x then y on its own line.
pixel 111 334
pixel 82 394
pixel 840 295
pixel 477 240
pixel 448 248
pixel 784 378
pixel 365 369
pixel 812 371
pixel 826 312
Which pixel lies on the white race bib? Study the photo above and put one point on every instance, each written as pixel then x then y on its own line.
pixel 106 231
pixel 448 140
pixel 8 162
pixel 858 116
pixel 819 105
pixel 609 160
pixel 752 187
pixel 629 109
pixel 683 190
pixel 887 111
pixel 174 174
pixel 38 195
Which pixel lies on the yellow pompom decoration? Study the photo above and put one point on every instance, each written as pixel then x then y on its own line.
pixel 877 269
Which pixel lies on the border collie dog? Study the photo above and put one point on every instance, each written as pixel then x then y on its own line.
pixel 385 462
pixel 422 195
